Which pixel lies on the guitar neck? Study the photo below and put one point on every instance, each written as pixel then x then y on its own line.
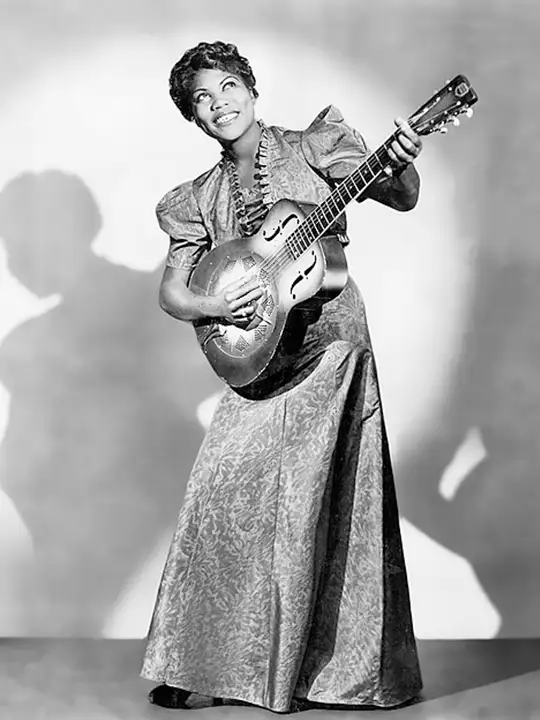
pixel 325 214
pixel 455 98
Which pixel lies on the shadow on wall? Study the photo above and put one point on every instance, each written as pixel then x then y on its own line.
pixel 102 430
pixel 493 518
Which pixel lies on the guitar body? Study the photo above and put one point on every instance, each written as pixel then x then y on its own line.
pixel 239 356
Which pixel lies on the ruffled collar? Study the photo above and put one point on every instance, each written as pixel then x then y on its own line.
pixel 249 217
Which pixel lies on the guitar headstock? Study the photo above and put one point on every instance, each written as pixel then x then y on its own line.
pixel 456 98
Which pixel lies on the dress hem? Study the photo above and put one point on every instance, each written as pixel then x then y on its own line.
pixel 368 701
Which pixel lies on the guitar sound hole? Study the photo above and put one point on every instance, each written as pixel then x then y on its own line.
pixel 269 304
pixel 248 262
pixel 260 331
pixel 241 344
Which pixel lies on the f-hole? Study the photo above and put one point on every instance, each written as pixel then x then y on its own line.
pixel 303 275
pixel 280 227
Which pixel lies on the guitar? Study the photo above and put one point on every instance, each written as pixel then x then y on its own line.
pixel 293 259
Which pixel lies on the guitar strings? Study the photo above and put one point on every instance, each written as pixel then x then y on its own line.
pixel 302 238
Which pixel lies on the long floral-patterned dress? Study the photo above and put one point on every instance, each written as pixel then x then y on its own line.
pixel 285 577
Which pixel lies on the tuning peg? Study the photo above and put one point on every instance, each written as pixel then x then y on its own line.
pixel 455 121
pixel 443 130
pixel 469 112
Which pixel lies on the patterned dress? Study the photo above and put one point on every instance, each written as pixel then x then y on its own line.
pixel 285 577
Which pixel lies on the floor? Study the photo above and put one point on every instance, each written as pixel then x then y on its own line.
pixel 42 679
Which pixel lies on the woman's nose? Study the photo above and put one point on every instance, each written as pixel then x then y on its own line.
pixel 218 102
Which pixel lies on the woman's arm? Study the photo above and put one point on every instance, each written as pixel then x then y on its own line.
pixel 400 190
pixel 235 303
pixel 176 299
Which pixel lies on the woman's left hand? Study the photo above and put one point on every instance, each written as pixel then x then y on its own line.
pixel 406 146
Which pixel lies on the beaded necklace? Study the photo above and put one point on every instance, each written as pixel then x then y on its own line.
pixel 251 205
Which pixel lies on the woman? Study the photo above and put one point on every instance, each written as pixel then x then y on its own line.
pixel 285 580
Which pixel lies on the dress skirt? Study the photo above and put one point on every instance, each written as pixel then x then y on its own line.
pixel 285 576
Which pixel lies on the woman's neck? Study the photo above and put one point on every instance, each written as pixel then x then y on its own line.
pixel 244 149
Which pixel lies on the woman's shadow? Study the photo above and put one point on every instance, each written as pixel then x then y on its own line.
pixel 102 429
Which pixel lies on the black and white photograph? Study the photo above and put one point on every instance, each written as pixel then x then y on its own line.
pixel 269 359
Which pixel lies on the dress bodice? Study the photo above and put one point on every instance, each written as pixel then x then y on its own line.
pixel 298 165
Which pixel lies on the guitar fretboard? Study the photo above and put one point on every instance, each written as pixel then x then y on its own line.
pixel 322 217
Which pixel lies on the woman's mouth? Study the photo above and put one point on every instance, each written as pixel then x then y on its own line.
pixel 226 119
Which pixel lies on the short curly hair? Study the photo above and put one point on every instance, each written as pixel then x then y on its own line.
pixel 216 55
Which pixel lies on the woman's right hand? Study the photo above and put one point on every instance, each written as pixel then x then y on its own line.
pixel 237 302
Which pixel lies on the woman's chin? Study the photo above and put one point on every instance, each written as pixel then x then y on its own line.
pixel 228 133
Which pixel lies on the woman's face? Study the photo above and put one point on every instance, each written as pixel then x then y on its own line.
pixel 222 104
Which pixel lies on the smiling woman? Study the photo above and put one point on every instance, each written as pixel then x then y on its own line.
pixel 285 581
pixel 223 108
pixel 219 99
pixel 184 88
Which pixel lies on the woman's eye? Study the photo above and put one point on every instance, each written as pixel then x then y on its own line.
pixel 200 97
pixel 229 83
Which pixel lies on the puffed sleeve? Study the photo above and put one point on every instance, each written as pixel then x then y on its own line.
pixel 333 148
pixel 179 216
